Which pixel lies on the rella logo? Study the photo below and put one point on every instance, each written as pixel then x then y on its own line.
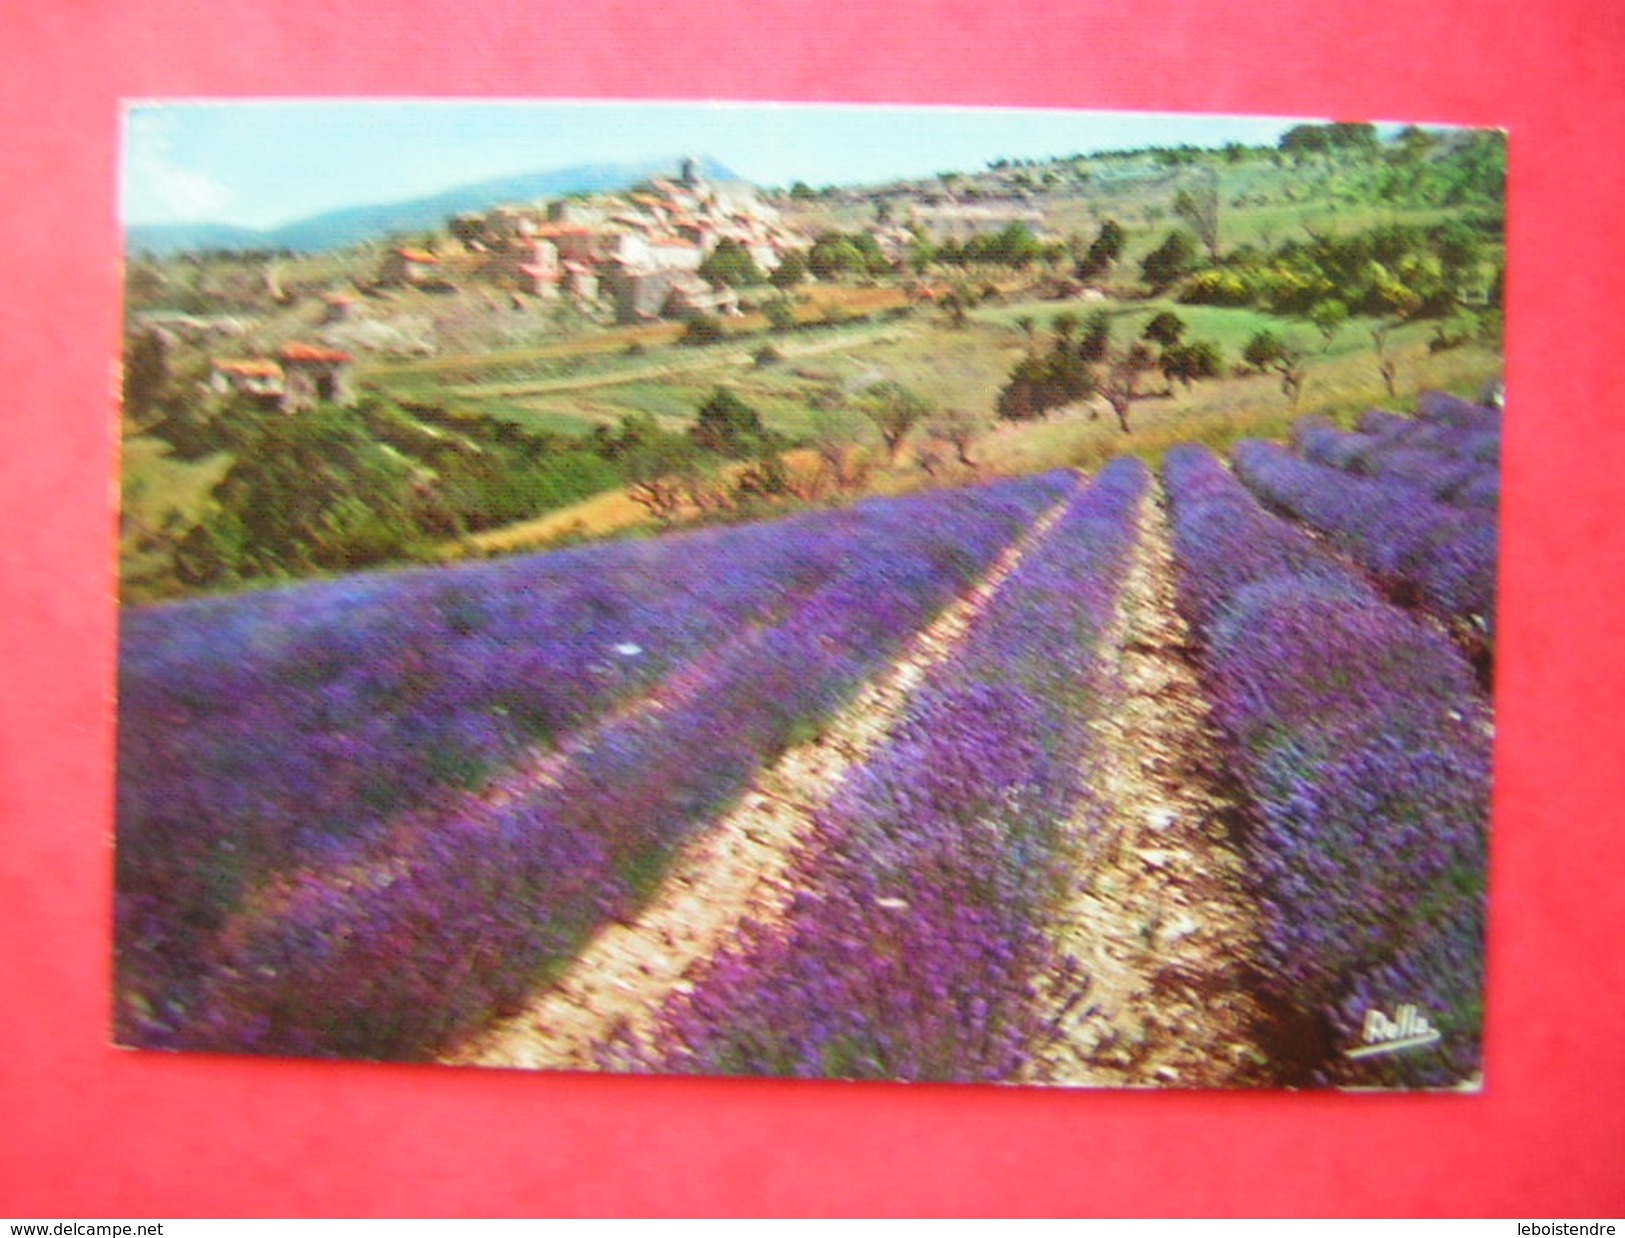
pixel 1408 1029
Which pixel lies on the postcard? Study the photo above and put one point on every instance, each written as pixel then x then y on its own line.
pixel 884 593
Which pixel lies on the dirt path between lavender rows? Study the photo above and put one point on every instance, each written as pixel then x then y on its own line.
pixel 1159 919
pixel 733 872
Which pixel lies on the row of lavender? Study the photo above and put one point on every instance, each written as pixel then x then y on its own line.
pixel 1451 451
pixel 261 732
pixel 384 941
pixel 1440 555
pixel 918 931
pixel 1362 739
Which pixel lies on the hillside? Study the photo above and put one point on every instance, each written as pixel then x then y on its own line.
pixel 510 364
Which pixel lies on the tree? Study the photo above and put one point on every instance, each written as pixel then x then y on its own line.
pixel 1165 328
pixel 837 456
pixel 767 477
pixel 146 373
pixel 781 315
pixel 1121 382
pixel 702 329
pixel 1198 206
pixel 1014 245
pixel 1285 356
pixel 1040 383
pixel 958 426
pixel 1104 251
pixel 871 261
pixel 1413 144
pixel 1262 351
pixel 1355 137
pixel 834 255
pixel 1292 366
pixel 1304 141
pixel 1169 261
pixel 1386 365
pixel 730 264
pixel 895 410
pixel 308 493
pixel 1328 317
pixel 1097 334
pixel 658 471
pixel 1461 255
pixel 1189 362
pixel 727 425
pixel 790 271
pixel 1065 325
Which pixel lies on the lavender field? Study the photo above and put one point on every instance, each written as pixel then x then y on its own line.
pixel 862 793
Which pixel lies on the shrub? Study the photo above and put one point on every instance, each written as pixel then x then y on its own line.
pixel 702 329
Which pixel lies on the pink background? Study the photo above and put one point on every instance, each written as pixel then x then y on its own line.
pixel 89 1131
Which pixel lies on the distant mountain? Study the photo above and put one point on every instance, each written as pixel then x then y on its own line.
pixel 352 225
pixel 165 239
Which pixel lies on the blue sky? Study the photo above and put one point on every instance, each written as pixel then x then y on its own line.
pixel 263 163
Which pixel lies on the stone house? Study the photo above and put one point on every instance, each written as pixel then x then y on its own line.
pixel 639 293
pixel 574 242
pixel 510 223
pixel 311 374
pixel 258 379
pixel 580 280
pixel 407 265
pixel 338 307
pixel 689 296
pixel 531 265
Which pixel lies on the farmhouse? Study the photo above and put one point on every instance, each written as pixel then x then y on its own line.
pixel 577 212
pixel 690 295
pixel 574 242
pixel 508 223
pixel 407 265
pixel 531 265
pixel 311 374
pixel 639 294
pixel 580 280
pixel 338 307
pixel 256 378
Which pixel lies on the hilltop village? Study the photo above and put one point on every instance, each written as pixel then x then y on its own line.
pixel 671 249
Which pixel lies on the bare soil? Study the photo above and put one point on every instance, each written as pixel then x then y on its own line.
pixel 1158 920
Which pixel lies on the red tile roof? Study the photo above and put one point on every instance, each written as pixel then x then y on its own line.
pixel 248 369
pixel 416 255
pixel 295 351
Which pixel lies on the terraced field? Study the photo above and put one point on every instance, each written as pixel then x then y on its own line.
pixel 1143 779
